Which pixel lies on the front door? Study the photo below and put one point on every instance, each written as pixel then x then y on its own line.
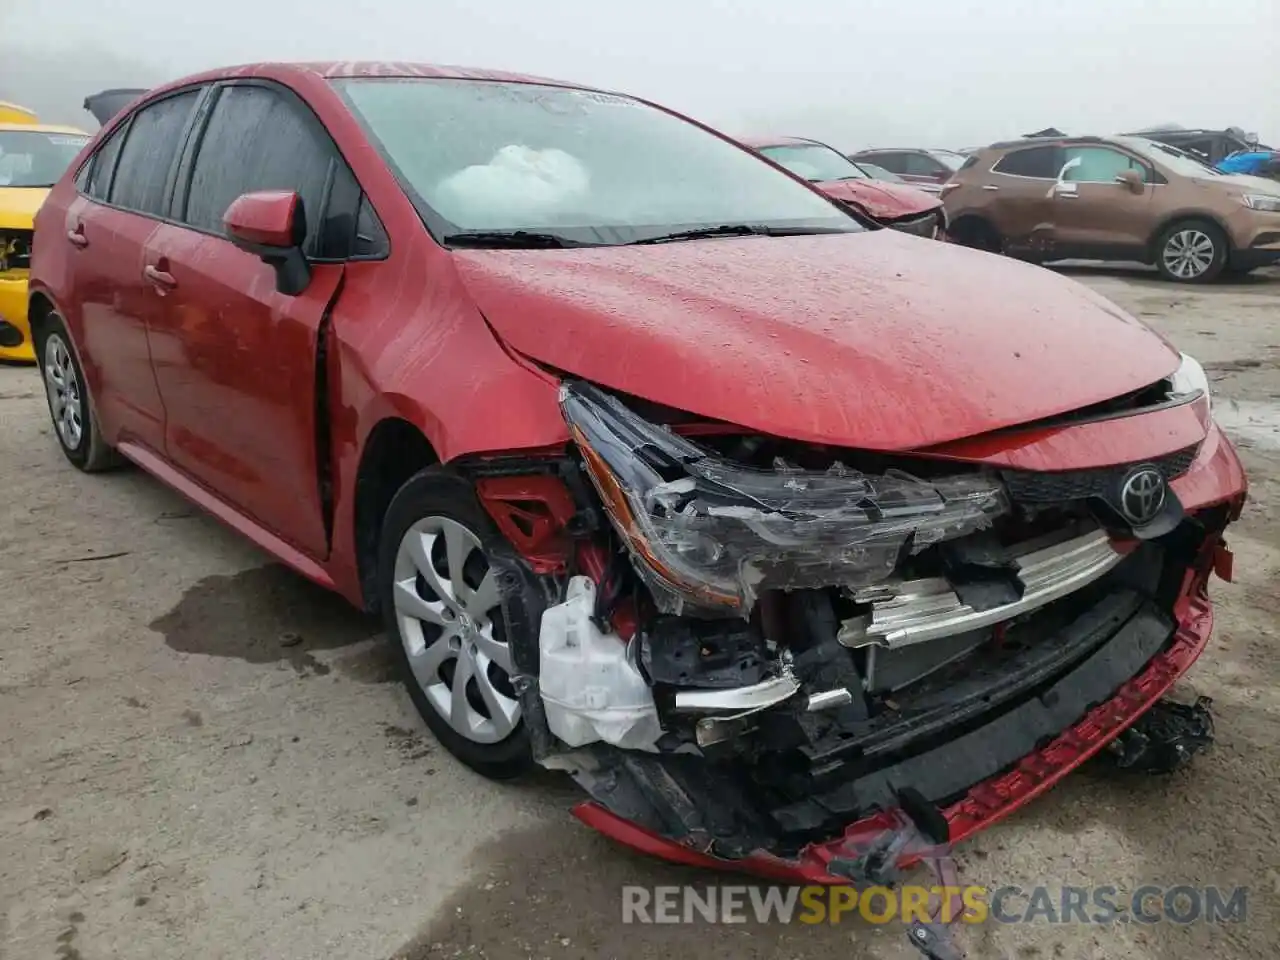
pixel 1095 212
pixel 235 360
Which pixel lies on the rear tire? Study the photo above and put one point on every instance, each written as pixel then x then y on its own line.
pixel 71 408
pixel 1191 251
pixel 448 634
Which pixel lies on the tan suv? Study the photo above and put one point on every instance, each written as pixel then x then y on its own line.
pixel 1114 198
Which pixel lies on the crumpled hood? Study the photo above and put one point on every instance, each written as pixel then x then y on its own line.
pixel 876 340
pixel 18 206
pixel 881 199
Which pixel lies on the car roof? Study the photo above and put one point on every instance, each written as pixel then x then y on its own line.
pixel 1050 142
pixel 43 128
pixel 339 69
pixel 958 153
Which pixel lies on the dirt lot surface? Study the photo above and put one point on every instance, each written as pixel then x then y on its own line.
pixel 201 756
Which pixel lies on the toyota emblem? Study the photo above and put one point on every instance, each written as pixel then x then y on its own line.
pixel 1142 495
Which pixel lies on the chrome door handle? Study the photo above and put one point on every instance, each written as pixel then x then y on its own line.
pixel 988 186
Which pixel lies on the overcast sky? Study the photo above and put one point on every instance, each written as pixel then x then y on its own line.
pixel 855 72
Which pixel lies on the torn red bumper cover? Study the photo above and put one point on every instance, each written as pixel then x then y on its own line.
pixel 793 653
pixel 983 804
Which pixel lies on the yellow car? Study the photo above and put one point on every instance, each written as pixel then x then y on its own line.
pixel 33 156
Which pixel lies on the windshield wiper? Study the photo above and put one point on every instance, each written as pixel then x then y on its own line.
pixel 736 230
pixel 516 239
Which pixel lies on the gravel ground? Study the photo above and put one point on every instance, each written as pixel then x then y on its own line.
pixel 201 755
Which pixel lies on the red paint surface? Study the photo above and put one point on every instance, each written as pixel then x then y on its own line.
pixel 267 218
pixel 881 199
pixel 870 340
pixel 531 511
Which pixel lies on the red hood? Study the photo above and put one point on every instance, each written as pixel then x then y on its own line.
pixel 880 198
pixel 876 340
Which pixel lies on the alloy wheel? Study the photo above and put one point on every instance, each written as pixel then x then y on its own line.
pixel 1188 253
pixel 63 386
pixel 450 623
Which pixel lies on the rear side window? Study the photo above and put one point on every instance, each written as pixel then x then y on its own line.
pixel 103 164
pixel 1038 162
pixel 154 139
pixel 259 139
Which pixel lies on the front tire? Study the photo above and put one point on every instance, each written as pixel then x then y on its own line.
pixel 449 637
pixel 977 234
pixel 75 423
pixel 1191 251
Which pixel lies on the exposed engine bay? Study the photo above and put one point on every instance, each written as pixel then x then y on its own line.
pixel 746 643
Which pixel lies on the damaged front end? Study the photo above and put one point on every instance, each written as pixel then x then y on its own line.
pixel 768 654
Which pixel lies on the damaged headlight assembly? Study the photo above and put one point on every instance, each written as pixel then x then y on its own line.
pixel 1190 379
pixel 708 534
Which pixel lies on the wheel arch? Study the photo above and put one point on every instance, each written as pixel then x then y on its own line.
pixel 39 306
pixel 394 450
pixel 1181 215
pixel 970 224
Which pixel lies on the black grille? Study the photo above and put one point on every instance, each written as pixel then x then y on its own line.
pixel 1028 486
pixel 923 226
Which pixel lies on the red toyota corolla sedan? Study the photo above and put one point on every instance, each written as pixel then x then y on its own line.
pixel 662 468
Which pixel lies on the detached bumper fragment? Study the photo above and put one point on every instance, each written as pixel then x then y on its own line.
pixel 1165 738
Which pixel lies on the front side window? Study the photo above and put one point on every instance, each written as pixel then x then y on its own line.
pixel 35 158
pixel 486 156
pixel 154 139
pixel 1098 165
pixel 257 139
pixel 1041 163
pixel 814 161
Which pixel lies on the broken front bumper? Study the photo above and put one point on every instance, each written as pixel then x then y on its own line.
pixel 1085 709
pixel 996 795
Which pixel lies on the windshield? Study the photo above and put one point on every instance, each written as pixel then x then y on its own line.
pixel 814 161
pixel 953 161
pixel 34 158
pixel 1179 161
pixel 481 156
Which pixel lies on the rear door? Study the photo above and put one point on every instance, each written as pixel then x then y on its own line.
pixel 1018 202
pixel 235 360
pixel 1094 213
pixel 124 191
